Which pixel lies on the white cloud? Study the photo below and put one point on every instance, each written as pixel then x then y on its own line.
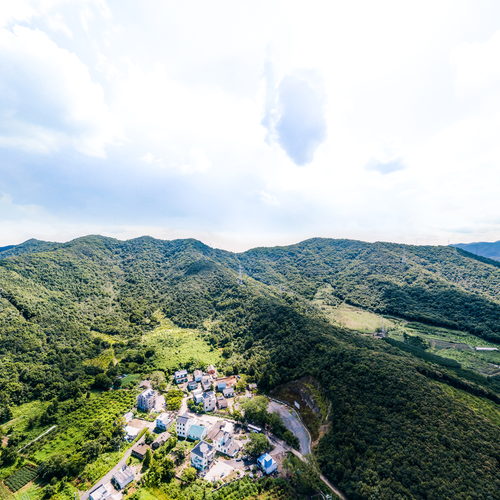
pixel 413 86
pixel 476 66
pixel 48 99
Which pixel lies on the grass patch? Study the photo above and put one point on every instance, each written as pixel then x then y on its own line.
pixel 104 359
pixel 353 318
pixel 130 380
pixel 485 408
pixel 112 339
pixel 23 413
pixel 175 347
pixel 103 464
pixel 32 491
pixel 5 493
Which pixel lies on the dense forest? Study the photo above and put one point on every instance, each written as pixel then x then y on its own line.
pixel 395 430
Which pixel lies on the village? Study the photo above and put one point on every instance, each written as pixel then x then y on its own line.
pixel 215 443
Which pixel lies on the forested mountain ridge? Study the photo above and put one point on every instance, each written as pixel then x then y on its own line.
pixel 437 285
pixel 395 431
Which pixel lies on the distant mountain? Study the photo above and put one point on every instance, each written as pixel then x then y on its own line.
pixel 491 250
pixel 29 246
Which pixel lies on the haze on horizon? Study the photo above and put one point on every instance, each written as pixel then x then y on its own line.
pixel 250 124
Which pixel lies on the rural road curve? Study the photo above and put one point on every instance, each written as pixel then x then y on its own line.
pixel 107 478
pixel 293 424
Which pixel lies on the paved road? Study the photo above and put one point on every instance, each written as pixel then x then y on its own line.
pixel 278 442
pixel 107 478
pixel 293 424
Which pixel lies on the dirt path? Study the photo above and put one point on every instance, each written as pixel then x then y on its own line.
pixel 50 429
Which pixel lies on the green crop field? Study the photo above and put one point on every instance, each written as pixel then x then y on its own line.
pixel 175 347
pixel 105 406
pixel 453 344
pixel 21 477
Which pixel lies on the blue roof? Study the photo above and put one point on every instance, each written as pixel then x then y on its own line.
pixel 196 431
pixel 266 460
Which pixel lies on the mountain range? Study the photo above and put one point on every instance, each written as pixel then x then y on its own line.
pixel 402 425
pixel 491 250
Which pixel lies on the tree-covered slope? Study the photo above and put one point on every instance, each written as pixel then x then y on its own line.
pixel 395 432
pixel 437 285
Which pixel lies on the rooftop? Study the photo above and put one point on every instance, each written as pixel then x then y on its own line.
pixel 124 475
pixel 202 448
pixel 99 493
pixel 182 419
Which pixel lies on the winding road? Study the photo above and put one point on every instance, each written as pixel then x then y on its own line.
pixel 293 424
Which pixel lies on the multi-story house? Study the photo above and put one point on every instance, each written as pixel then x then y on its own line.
pixel 146 400
pixel 202 455
pixel 209 401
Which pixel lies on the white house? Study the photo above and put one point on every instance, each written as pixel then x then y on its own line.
pixel 202 455
pixel 224 443
pixel 206 382
pixel 197 374
pixel 209 401
pixel 182 425
pixel 197 396
pixel 181 376
pixel 146 400
pixel 267 463
pixel 100 493
pixel 163 421
pixel 228 392
pixel 131 432
pixel 123 477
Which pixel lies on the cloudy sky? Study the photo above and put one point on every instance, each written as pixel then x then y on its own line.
pixel 250 123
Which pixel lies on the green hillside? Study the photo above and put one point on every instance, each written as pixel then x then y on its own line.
pixel 394 433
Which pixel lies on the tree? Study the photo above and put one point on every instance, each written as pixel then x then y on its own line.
pixel 257 445
pixel 160 471
pixel 102 381
pixel 5 414
pixel 148 437
pixel 188 474
pixel 242 383
pixel 179 455
pixel 158 380
pixel 174 399
pixel 147 459
pixel 8 456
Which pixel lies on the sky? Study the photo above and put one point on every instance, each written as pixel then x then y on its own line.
pixel 250 123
